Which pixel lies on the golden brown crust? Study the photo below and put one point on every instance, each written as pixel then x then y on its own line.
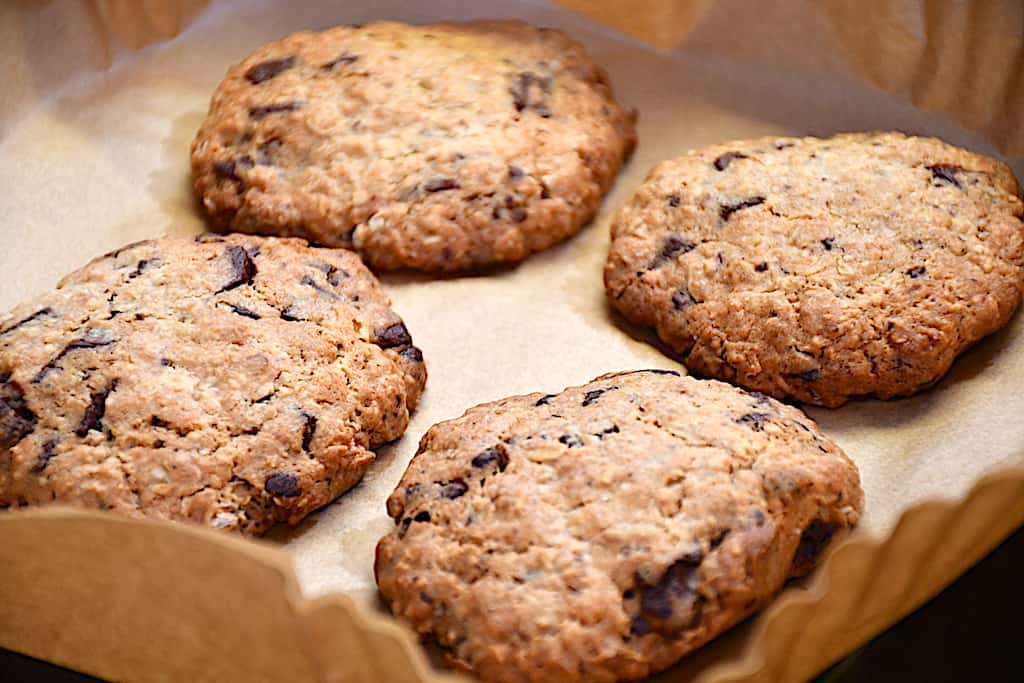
pixel 233 381
pixel 820 269
pixel 441 148
pixel 604 532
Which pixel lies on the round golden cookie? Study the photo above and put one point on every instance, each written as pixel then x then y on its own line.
pixel 441 148
pixel 604 532
pixel 821 269
pixel 232 381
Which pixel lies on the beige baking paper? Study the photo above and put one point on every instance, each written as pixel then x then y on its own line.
pixel 100 102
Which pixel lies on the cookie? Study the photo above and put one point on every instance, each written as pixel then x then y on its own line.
pixel 604 532
pixel 442 148
pixel 231 381
pixel 820 269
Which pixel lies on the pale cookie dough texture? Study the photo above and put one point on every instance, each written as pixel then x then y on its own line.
pixel 232 381
pixel 442 148
pixel 820 269
pixel 604 532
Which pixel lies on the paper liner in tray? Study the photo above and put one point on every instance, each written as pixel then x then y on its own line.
pixel 94 134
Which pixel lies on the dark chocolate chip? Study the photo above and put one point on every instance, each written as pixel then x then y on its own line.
pixel 283 485
pixel 614 429
pixel 571 440
pixel 490 456
pixel 515 173
pixel 656 371
pixel 92 419
pixel 225 170
pixel 90 340
pixel 454 489
pixel 518 214
pixel 673 603
pixel 412 353
pixel 761 267
pixel 681 299
pixel 727 210
pixel 337 61
pixel 243 269
pixel 289 315
pixel 673 246
pixel 673 200
pixel 544 400
pixel 158 422
pixel 264 71
pixel 754 420
pixel 243 311
pixel 529 91
pixel 16 419
pixel 594 394
pixel 127 247
pixel 45 456
pixel 946 173
pixel 813 540
pixel 426 598
pixel 440 184
pixel 917 272
pixel 718 538
pixel 24 321
pixel 809 375
pixel 722 162
pixel 166 362
pixel 828 243
pixel 640 626
pixel 258 113
pixel 422 516
pixel 393 335
pixel 308 429
pixel 310 282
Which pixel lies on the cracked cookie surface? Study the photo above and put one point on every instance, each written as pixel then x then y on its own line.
pixel 821 269
pixel 233 381
pixel 441 148
pixel 604 532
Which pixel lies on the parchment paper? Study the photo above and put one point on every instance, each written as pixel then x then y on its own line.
pixel 94 135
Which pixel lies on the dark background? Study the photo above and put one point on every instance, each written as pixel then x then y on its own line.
pixel 970 632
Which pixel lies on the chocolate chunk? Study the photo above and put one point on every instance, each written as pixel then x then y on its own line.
pixel 283 485
pixel 681 299
pixel 264 71
pixel 529 91
pixel 393 335
pixel 828 243
pixel 727 210
pixel 673 200
pixel 544 400
pixel 24 321
pixel 258 113
pixel 673 603
pixel 640 626
pixel 16 419
pixel 243 270
pixel 310 282
pixel 594 394
pixel 142 266
pixel 490 456
pixel 722 162
pixel 289 315
pixel 673 246
pixel 440 184
pixel 422 516
pixel 412 353
pixel 754 420
pixel 718 538
pixel 917 272
pixel 158 422
pixel 92 339
pixel 658 371
pixel 225 170
pixel 49 450
pixel 243 311
pixel 308 429
pixel 946 173
pixel 454 489
pixel 515 173
pixel 813 540
pixel 761 267
pixel 92 419
pixel 571 440
pixel 614 429
pixel 333 275
pixel 809 375
pixel 426 598
pixel 338 61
